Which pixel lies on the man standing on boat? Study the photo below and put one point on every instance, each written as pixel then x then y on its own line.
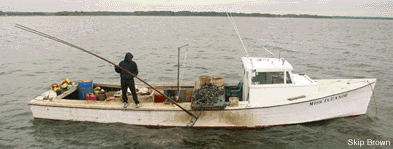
pixel 127 80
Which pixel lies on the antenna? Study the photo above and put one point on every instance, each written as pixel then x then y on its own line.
pixel 268 51
pixel 280 50
pixel 237 31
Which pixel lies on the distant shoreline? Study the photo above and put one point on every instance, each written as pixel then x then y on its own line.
pixel 179 13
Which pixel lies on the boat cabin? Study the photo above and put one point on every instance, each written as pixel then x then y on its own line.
pixel 270 80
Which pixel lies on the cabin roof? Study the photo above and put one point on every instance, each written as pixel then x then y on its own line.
pixel 265 64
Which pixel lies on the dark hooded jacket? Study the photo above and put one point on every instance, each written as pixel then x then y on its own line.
pixel 130 66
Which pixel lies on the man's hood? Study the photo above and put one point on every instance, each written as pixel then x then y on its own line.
pixel 128 55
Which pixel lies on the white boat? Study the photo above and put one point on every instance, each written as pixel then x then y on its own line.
pixel 268 95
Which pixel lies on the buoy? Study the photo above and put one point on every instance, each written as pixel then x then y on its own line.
pixel 56 88
pixel 64 85
pixel 54 85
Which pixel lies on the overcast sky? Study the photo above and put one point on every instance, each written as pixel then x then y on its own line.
pixel 373 8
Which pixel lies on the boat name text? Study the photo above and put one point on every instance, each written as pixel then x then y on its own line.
pixel 328 99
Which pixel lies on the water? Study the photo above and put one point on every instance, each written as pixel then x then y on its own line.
pixel 325 48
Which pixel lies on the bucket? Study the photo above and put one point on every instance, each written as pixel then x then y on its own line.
pixel 234 101
pixel 84 87
pixel 91 96
pixel 204 79
pixel 218 81
pixel 159 98
pixel 101 96
pixel 110 94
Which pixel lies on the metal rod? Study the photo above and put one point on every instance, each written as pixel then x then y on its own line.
pixel 178 71
pixel 76 47
pixel 183 46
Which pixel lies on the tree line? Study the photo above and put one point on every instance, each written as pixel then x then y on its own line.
pixel 179 13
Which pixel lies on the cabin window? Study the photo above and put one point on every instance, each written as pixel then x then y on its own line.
pixel 288 79
pixel 268 78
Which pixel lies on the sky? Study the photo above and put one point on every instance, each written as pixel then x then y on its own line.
pixel 370 8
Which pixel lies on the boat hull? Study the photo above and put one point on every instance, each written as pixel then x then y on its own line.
pixel 344 104
pixel 351 102
pixel 128 116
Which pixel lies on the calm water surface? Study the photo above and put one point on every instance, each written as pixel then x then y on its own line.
pixel 320 48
